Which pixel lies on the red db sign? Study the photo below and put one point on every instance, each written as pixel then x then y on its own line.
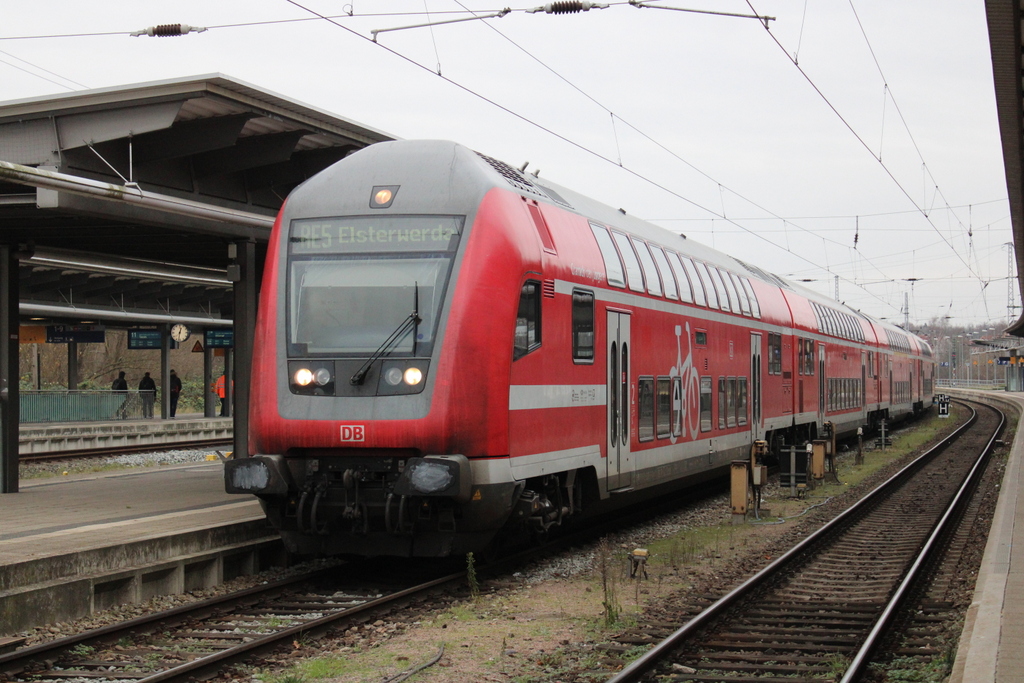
pixel 353 432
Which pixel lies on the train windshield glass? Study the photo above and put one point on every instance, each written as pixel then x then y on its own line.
pixel 353 281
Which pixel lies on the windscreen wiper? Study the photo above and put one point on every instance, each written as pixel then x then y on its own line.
pixel 411 321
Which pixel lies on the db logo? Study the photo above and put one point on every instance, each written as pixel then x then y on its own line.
pixel 353 432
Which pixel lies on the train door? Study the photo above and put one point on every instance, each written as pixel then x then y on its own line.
pixel 620 470
pixel 755 387
pixel 863 380
pixel 822 384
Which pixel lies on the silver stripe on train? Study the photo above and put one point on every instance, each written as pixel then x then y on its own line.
pixel 536 396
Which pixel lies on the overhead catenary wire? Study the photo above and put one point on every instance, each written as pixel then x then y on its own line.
pixel 733 214
pixel 333 20
pixel 863 143
pixel 721 186
pixel 184 29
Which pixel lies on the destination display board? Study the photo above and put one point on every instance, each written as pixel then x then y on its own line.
pixel 145 339
pixel 219 339
pixel 362 234
pixel 80 334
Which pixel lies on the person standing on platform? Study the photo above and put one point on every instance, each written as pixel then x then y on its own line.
pixel 147 390
pixel 120 386
pixel 175 390
pixel 220 387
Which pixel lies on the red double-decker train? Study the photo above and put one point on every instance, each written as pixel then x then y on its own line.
pixel 448 350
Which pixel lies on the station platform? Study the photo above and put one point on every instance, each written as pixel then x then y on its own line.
pixel 50 437
pixel 991 646
pixel 77 544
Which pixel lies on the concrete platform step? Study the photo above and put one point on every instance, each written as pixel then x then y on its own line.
pixel 65 587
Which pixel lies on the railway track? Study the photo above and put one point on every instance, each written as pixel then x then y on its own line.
pixel 124 450
pixel 197 641
pixel 820 611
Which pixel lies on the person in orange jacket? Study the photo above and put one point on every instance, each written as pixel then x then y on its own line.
pixel 220 388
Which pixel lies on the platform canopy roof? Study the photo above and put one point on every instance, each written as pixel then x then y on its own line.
pixel 125 200
pixel 1006 43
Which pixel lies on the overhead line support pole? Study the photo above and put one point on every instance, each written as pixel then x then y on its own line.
pixel 245 329
pixel 10 405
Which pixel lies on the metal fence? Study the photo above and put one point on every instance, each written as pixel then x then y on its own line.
pixel 84 406
pixel 999 384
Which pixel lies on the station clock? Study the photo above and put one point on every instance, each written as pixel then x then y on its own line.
pixel 179 332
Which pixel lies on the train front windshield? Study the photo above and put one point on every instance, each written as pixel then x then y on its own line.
pixel 354 281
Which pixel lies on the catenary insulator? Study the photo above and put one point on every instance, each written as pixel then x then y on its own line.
pixel 568 7
pixel 165 30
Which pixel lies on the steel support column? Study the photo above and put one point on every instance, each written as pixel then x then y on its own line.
pixel 165 373
pixel 10 406
pixel 211 401
pixel 73 373
pixel 246 286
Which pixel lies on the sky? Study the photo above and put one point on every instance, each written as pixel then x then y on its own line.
pixel 850 145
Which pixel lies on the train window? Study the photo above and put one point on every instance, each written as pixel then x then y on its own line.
pixel 677 401
pixel 582 326
pixel 741 401
pixel 634 275
pixel 666 273
pixel 731 398
pixel 723 293
pixel 685 290
pixel 730 288
pixel 347 293
pixel 774 353
pixel 647 265
pixel 527 336
pixel 721 403
pixel 645 408
pixel 698 287
pixel 709 286
pixel 755 308
pixel 705 404
pixel 802 360
pixel 810 357
pixel 664 411
pixel 700 338
pixel 847 325
pixel 744 303
pixel 612 265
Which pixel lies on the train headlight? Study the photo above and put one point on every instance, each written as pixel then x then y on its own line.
pixel 402 376
pixel 393 376
pixel 303 377
pixel 312 377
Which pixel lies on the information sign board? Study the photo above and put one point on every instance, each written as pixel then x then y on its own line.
pixel 219 339
pixel 145 339
pixel 81 334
